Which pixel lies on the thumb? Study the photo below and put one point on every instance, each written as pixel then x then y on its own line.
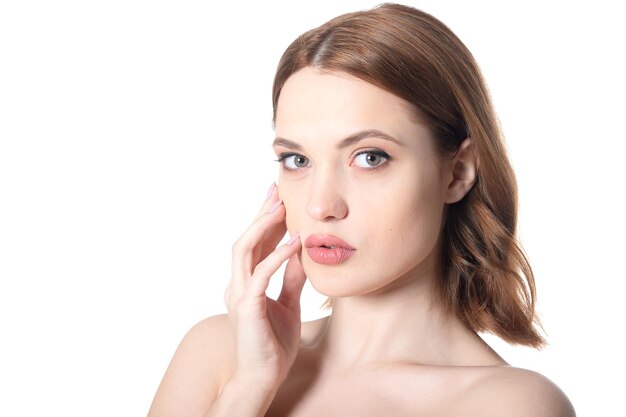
pixel 293 282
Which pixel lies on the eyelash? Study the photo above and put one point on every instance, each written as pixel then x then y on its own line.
pixel 283 156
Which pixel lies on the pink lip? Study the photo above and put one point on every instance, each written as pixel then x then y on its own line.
pixel 318 248
pixel 315 241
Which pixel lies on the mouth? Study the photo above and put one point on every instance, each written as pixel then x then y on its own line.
pixel 326 242
pixel 327 249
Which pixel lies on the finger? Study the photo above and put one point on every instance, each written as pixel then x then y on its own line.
pixel 269 242
pixel 227 297
pixel 264 237
pixel 293 283
pixel 243 256
pixel 272 237
pixel 272 197
pixel 266 268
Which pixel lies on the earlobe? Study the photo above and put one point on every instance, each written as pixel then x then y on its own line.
pixel 464 168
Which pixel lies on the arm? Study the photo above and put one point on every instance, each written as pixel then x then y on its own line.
pixel 242 398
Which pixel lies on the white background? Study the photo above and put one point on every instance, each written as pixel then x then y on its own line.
pixel 135 148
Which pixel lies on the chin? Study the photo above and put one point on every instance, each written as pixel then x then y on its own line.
pixel 340 280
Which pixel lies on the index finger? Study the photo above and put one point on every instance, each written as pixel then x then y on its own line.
pixel 270 201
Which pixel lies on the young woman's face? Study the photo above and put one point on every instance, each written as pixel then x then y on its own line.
pixel 384 197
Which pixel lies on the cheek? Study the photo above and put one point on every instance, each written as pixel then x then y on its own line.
pixel 419 229
pixel 409 224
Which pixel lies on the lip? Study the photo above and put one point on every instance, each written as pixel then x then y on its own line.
pixel 319 249
pixel 316 241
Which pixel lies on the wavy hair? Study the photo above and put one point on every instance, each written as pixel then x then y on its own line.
pixel 488 282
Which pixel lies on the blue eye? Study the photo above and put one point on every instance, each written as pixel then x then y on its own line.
pixel 293 161
pixel 371 159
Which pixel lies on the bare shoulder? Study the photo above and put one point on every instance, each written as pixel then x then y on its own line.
pixel 517 392
pixel 197 370
pixel 208 346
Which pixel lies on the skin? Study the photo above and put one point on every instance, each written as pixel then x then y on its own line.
pixel 388 348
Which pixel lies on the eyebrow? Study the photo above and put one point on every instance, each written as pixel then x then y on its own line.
pixel 343 143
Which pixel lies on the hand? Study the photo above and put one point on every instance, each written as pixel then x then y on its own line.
pixel 267 332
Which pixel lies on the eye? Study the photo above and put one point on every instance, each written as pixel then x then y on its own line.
pixel 293 161
pixel 371 159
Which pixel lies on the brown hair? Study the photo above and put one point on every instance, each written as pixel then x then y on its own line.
pixel 488 281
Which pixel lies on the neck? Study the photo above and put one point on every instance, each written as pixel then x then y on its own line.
pixel 401 323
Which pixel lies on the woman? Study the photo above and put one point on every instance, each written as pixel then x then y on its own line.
pixel 400 203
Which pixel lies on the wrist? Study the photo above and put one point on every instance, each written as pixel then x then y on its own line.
pixel 259 385
pixel 243 396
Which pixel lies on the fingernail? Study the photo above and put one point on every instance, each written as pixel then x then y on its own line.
pixel 293 239
pixel 269 192
pixel 275 206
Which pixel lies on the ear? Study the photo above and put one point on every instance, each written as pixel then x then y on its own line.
pixel 462 172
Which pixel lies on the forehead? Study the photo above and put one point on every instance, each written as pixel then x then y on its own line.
pixel 335 104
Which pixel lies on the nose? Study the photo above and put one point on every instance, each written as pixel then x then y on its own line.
pixel 326 201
